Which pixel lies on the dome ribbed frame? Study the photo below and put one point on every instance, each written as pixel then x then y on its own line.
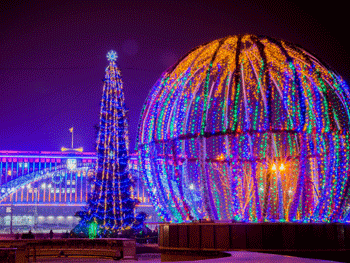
pixel 247 128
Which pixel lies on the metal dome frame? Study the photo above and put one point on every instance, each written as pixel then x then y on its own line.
pixel 248 128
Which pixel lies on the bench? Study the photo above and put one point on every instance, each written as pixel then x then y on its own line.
pixel 73 252
pixel 8 255
pixel 116 248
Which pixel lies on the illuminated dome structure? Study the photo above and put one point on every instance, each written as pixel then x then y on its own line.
pixel 247 128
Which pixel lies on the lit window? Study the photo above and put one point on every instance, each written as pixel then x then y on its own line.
pixel 73 190
pixel 68 182
pixel 9 172
pixel 73 182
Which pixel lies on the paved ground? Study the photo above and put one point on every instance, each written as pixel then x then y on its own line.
pixel 236 256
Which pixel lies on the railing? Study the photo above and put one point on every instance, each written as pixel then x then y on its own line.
pixel 120 248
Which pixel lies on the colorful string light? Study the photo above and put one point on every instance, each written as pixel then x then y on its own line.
pixel 111 204
pixel 247 128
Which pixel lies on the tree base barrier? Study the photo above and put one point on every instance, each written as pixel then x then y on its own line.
pixel 262 237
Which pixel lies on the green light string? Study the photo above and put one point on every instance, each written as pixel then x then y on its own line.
pixel 258 94
pixel 215 192
pixel 224 105
pixel 159 134
pixel 205 99
pixel 227 198
pixel 310 116
pixel 346 109
pixel 324 102
pixel 174 113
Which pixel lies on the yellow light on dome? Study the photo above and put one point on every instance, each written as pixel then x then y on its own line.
pixel 221 157
pixel 282 167
pixel 274 168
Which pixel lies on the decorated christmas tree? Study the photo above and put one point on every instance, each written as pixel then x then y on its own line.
pixel 110 207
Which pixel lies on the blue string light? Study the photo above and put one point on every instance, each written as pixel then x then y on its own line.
pixel 111 204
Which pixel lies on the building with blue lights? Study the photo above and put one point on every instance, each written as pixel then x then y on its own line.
pixel 42 190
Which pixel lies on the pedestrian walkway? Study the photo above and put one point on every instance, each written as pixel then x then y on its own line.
pixel 236 256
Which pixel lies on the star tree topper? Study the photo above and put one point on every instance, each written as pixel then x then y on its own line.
pixel 112 55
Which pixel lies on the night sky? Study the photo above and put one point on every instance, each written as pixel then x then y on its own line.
pixel 53 55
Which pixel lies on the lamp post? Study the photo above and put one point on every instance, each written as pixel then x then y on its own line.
pixel 280 193
pixel 11 215
pixel 35 217
pixel 273 169
pixel 11 212
pixel 267 188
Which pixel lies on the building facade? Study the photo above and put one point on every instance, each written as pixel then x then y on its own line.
pixel 42 190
